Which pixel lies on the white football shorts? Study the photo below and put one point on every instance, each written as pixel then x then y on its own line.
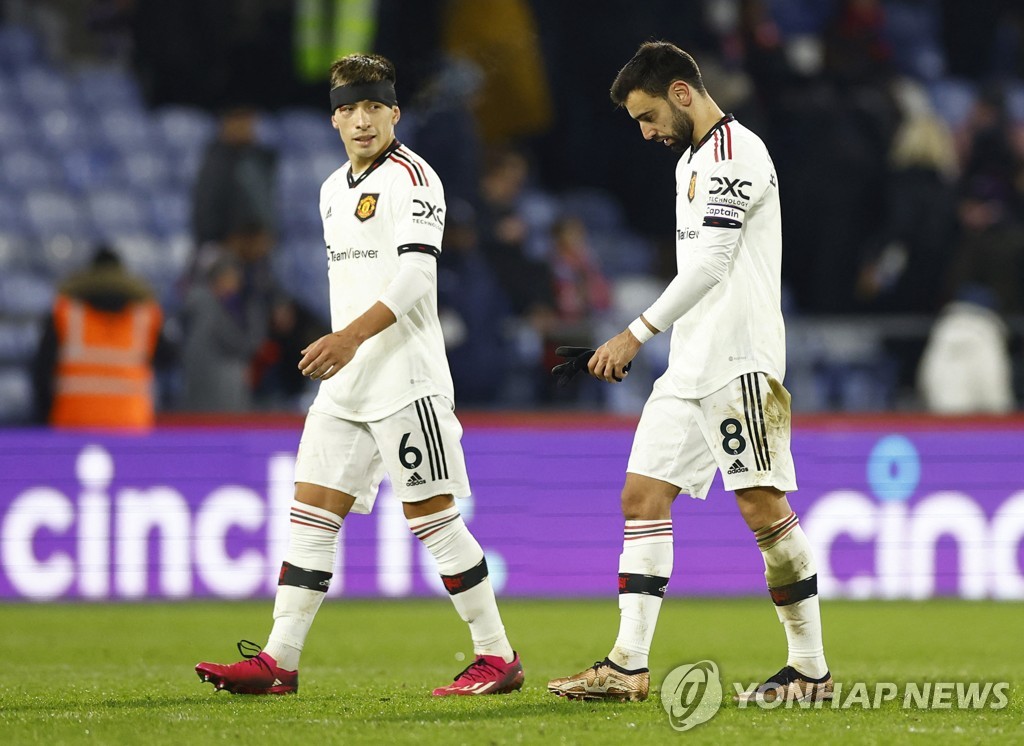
pixel 419 447
pixel 742 430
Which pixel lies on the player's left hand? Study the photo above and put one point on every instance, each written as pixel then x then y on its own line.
pixel 329 354
pixel 611 361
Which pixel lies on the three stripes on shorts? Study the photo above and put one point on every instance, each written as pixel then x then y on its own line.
pixel 753 412
pixel 432 438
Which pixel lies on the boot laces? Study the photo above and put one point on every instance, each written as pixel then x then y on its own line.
pixel 478 670
pixel 251 652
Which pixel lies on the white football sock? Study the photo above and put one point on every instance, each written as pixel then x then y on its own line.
pixel 645 567
pixel 305 576
pixel 460 560
pixel 792 583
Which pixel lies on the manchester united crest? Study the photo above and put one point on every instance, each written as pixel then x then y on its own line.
pixel 367 206
pixel 693 186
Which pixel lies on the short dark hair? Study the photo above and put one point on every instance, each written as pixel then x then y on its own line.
pixel 356 69
pixel 654 67
pixel 105 256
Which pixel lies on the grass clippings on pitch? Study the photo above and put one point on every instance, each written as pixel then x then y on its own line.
pixel 123 674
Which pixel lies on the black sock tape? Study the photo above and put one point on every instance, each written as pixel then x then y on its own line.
pixel 785 595
pixel 648 585
pixel 472 577
pixel 299 577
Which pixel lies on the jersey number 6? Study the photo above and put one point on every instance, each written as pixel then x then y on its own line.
pixel 410 456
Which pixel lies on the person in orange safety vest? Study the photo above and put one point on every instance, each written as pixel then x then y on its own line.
pixel 94 368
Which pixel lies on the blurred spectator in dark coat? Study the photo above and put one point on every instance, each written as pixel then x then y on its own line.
pixel 233 198
pixel 222 333
pixel 444 129
pixel 278 382
pixel 472 309
pixel 909 259
pixel 504 233
pixel 856 51
pixel 582 292
pixel 990 250
pixel 987 142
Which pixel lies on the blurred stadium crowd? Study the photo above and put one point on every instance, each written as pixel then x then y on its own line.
pixel 191 138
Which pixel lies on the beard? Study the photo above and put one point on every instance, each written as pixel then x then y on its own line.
pixel 682 130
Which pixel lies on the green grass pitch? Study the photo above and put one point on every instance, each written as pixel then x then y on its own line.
pixel 122 674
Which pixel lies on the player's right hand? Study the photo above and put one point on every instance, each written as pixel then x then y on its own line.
pixel 329 354
pixel 612 360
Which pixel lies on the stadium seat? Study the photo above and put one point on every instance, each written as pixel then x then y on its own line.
pixel 64 129
pixel 146 170
pixel 19 339
pixel 177 260
pixel 64 253
pixel 16 248
pixel 306 129
pixel 19 47
pixel 90 167
pixel 293 174
pixel 25 293
pixel 118 211
pixel 268 130
pixel 15 395
pixel 177 253
pixel 8 90
pixel 53 212
pixel 161 263
pixel 127 130
pixel 11 207
pixel 43 87
pixel 186 128
pixel 170 212
pixel 623 253
pixel 598 210
pixel 302 222
pixel 139 251
pixel 298 190
pixel 300 265
pixel 185 167
pixel 802 16
pixel 15 132
pixel 28 168
pixel 912 30
pixel 108 87
pixel 325 161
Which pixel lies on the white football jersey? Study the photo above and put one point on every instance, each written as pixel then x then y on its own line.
pixel 727 195
pixel 396 205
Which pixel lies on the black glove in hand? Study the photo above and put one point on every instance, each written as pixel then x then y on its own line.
pixel 578 357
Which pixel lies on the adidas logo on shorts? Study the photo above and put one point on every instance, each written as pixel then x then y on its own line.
pixel 737 467
pixel 416 480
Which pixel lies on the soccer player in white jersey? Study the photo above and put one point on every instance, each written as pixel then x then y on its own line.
pixel 385 403
pixel 721 404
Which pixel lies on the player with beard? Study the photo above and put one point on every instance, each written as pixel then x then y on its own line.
pixel 721 404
